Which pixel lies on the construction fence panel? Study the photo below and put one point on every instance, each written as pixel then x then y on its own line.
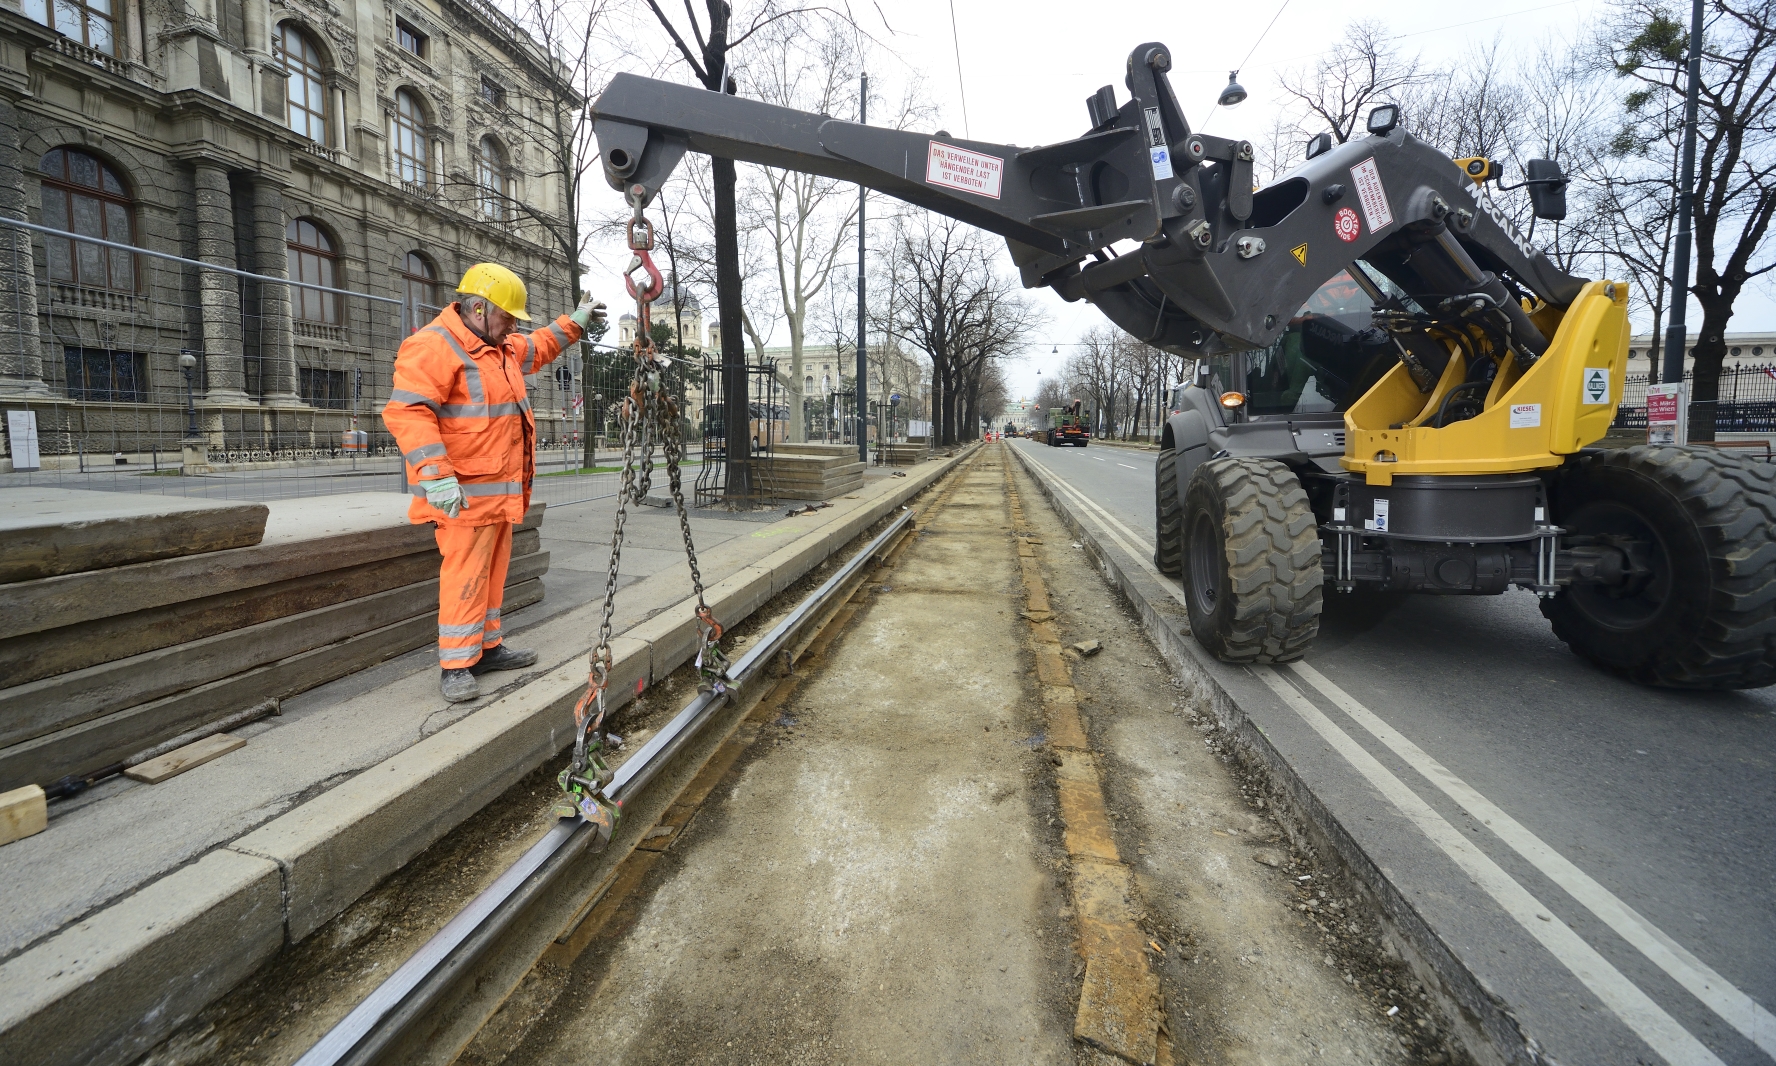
pixel 280 382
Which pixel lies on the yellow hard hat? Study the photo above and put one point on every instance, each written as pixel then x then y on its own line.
pixel 502 288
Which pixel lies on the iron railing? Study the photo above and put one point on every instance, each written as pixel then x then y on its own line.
pixel 1745 403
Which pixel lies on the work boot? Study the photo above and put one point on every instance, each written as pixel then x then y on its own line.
pixel 460 685
pixel 500 657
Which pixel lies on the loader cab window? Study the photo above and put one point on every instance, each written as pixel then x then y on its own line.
pixel 1323 361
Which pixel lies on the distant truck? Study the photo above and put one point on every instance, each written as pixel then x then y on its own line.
pixel 1067 426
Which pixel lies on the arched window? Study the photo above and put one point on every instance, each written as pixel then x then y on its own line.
pixel 307 88
pixel 410 139
pixel 419 291
pixel 490 179
pixel 81 194
pixel 312 259
pixel 91 22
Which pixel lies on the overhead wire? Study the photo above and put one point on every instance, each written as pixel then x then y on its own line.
pixel 962 88
pixel 1249 54
pixel 1537 9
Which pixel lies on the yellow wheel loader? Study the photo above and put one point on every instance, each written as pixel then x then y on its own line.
pixel 1395 389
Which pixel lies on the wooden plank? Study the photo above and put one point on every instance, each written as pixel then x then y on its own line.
pixel 102 741
pixel 46 653
pixel 23 812
pixel 43 706
pixel 189 757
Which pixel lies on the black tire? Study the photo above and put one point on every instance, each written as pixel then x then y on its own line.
pixel 1083 442
pixel 1251 570
pixel 1706 618
pixel 1168 515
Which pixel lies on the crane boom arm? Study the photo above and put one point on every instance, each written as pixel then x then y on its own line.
pixel 1157 226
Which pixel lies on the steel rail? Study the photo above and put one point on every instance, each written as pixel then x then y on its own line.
pixel 403 997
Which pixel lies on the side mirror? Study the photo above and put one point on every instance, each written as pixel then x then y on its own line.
pixel 1547 188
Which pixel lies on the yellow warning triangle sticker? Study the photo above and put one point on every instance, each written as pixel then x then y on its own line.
pixel 1300 253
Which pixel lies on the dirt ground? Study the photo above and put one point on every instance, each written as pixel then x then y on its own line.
pixel 1267 959
pixel 874 883
pixel 881 879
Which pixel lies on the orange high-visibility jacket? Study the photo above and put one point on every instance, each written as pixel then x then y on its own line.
pixel 459 407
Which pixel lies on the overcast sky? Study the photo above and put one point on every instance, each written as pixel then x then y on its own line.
pixel 1027 67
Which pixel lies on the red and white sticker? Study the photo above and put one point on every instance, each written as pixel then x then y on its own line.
pixel 1374 197
pixel 959 168
pixel 1345 224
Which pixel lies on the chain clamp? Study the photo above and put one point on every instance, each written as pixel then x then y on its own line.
pixel 647 415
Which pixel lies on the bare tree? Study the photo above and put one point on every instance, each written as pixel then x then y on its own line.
pixel 956 308
pixel 1363 69
pixel 710 63
pixel 1736 153
pixel 809 220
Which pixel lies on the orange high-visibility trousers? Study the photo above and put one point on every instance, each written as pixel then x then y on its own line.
pixel 471 587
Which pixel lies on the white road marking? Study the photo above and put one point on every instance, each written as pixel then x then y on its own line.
pixel 1673 1042
pixel 1125 466
pixel 1140 549
pixel 1099 458
pixel 1734 1006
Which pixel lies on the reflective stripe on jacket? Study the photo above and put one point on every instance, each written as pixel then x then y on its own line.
pixel 459 407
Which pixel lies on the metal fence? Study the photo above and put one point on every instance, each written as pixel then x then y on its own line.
pixel 1746 400
pixel 141 351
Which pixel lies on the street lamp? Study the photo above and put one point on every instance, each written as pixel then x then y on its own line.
pixel 1235 93
pixel 187 364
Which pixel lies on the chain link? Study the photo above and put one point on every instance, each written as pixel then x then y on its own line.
pixel 646 417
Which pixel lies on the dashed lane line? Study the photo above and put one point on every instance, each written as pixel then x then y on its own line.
pixel 1734 1007
pixel 1125 466
pixel 1674 1043
pixel 1650 1022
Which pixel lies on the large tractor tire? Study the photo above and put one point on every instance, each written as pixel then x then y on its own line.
pixel 1252 572
pixel 1168 515
pixel 1705 615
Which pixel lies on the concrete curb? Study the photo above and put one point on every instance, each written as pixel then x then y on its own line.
pixel 1483 1022
pixel 1126 444
pixel 107 988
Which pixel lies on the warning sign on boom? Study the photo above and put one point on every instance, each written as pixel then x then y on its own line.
pixel 1300 253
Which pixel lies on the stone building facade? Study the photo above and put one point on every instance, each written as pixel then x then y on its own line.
pixel 377 147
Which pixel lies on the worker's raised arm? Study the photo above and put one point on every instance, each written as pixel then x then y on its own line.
pixel 538 349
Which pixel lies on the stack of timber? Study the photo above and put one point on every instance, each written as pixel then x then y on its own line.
pixel 811 471
pixel 132 620
pixel 915 450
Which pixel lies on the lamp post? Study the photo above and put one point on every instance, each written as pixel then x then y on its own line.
pixel 187 364
pixel 195 450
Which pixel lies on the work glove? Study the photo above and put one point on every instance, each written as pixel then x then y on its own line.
pixel 446 495
pixel 587 313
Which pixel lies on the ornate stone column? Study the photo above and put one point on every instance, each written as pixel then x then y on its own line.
pixel 218 293
pixel 21 359
pixel 277 346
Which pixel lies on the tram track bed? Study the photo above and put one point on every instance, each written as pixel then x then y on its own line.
pixel 895 852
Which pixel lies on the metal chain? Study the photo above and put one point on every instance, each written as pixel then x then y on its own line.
pixel 647 415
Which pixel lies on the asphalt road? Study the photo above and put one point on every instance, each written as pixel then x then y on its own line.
pixel 1601 855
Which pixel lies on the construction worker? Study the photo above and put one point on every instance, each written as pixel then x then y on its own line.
pixel 459 413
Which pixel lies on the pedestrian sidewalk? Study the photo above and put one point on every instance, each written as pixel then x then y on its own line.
pixel 141 904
